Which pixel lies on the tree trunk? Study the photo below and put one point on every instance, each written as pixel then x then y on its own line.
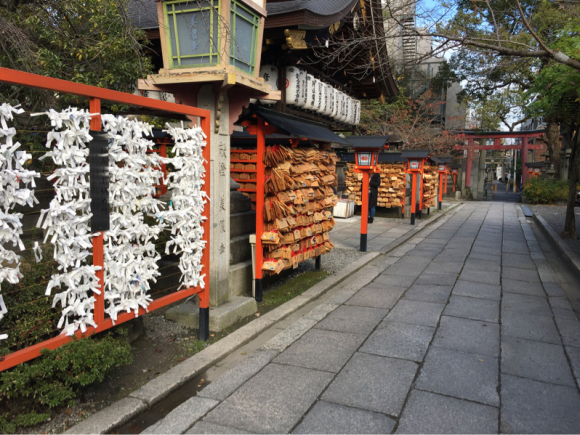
pixel 570 225
pixel 553 144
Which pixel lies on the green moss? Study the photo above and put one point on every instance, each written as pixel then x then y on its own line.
pixel 291 289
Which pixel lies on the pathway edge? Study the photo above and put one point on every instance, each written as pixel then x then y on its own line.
pixel 563 248
pixel 112 417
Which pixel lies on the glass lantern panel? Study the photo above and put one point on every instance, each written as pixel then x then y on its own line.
pixel 245 26
pixel 193 32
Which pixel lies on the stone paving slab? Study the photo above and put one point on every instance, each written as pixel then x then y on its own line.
pixel 537 407
pixel 469 336
pixel 357 320
pixel 461 375
pixel 521 303
pixel 437 278
pixel 416 313
pixel 399 340
pixel 522 287
pixel 394 280
pixel 473 308
pixel 321 350
pixel 183 417
pixel 330 418
pixel 477 290
pixel 535 360
pixel 431 413
pixel 373 383
pixel 514 273
pixel 429 293
pixel 523 325
pixel 377 296
pixel 273 401
pixel 204 427
pixel 481 276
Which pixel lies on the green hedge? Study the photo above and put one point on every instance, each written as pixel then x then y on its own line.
pixel 542 191
pixel 30 390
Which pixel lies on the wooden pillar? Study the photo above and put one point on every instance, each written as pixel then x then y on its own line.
pixel 364 218
pixel 469 163
pixel 261 149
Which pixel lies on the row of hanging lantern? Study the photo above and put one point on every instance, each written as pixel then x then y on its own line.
pixel 306 92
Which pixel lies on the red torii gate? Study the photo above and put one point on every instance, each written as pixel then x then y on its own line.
pixel 525 146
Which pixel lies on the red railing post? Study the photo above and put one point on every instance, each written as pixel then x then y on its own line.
pixel 205 124
pixel 261 150
pixel 98 250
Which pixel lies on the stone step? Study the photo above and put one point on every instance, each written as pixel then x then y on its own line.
pixel 240 249
pixel 242 223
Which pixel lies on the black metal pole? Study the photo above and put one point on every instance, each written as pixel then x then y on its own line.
pixel 203 324
pixel 363 243
pixel 317 262
pixel 258 290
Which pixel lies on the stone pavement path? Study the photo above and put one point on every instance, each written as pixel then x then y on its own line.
pixel 464 329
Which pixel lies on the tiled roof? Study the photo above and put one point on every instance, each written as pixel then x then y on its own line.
pixel 143 13
pixel 318 7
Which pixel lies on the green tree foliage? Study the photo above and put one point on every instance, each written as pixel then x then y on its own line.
pixel 84 41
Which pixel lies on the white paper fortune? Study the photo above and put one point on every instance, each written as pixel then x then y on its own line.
pixel 15 189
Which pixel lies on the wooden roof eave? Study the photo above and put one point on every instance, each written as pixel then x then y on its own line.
pixel 307 18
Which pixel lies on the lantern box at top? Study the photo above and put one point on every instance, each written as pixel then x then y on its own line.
pixel 366 149
pixel 205 38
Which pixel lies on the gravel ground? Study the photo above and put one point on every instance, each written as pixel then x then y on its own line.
pixel 332 262
pixel 555 215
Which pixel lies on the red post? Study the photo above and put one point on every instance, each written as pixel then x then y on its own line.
pixel 364 212
pixel 524 159
pixel 261 150
pixel 413 196
pixel 446 176
pixel 469 162
pixel 421 182
pixel 98 252
pixel 440 189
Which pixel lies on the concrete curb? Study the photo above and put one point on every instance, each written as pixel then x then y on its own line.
pixel 564 249
pixel 114 416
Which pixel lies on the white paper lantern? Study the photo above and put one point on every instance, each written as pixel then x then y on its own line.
pixel 303 89
pixel 293 88
pixel 342 113
pixel 320 99
pixel 349 110
pixel 336 105
pixel 316 96
pixel 309 105
pixel 325 106
pixel 357 109
pixel 270 75
pixel 330 101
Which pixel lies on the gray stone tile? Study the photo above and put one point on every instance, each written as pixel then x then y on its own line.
pixel 374 383
pixel 235 377
pixel 477 290
pixel 560 303
pixel 437 278
pixel 479 264
pixel 461 375
pixel 330 418
pixel 407 266
pixel 518 261
pixel 321 350
pixel 431 413
pixel 415 313
pixel 525 325
pixel 515 247
pixel 574 356
pixel 399 340
pixel 377 296
pixel 450 267
pixel 554 289
pixel 569 330
pixel 394 280
pixel 357 320
pixel 204 427
pixel 428 293
pixel 481 254
pixel 473 308
pixel 273 401
pixel 529 406
pixel 470 336
pixel 525 288
pixel 520 303
pixel 183 417
pixel 513 273
pixel 481 276
pixel 535 360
